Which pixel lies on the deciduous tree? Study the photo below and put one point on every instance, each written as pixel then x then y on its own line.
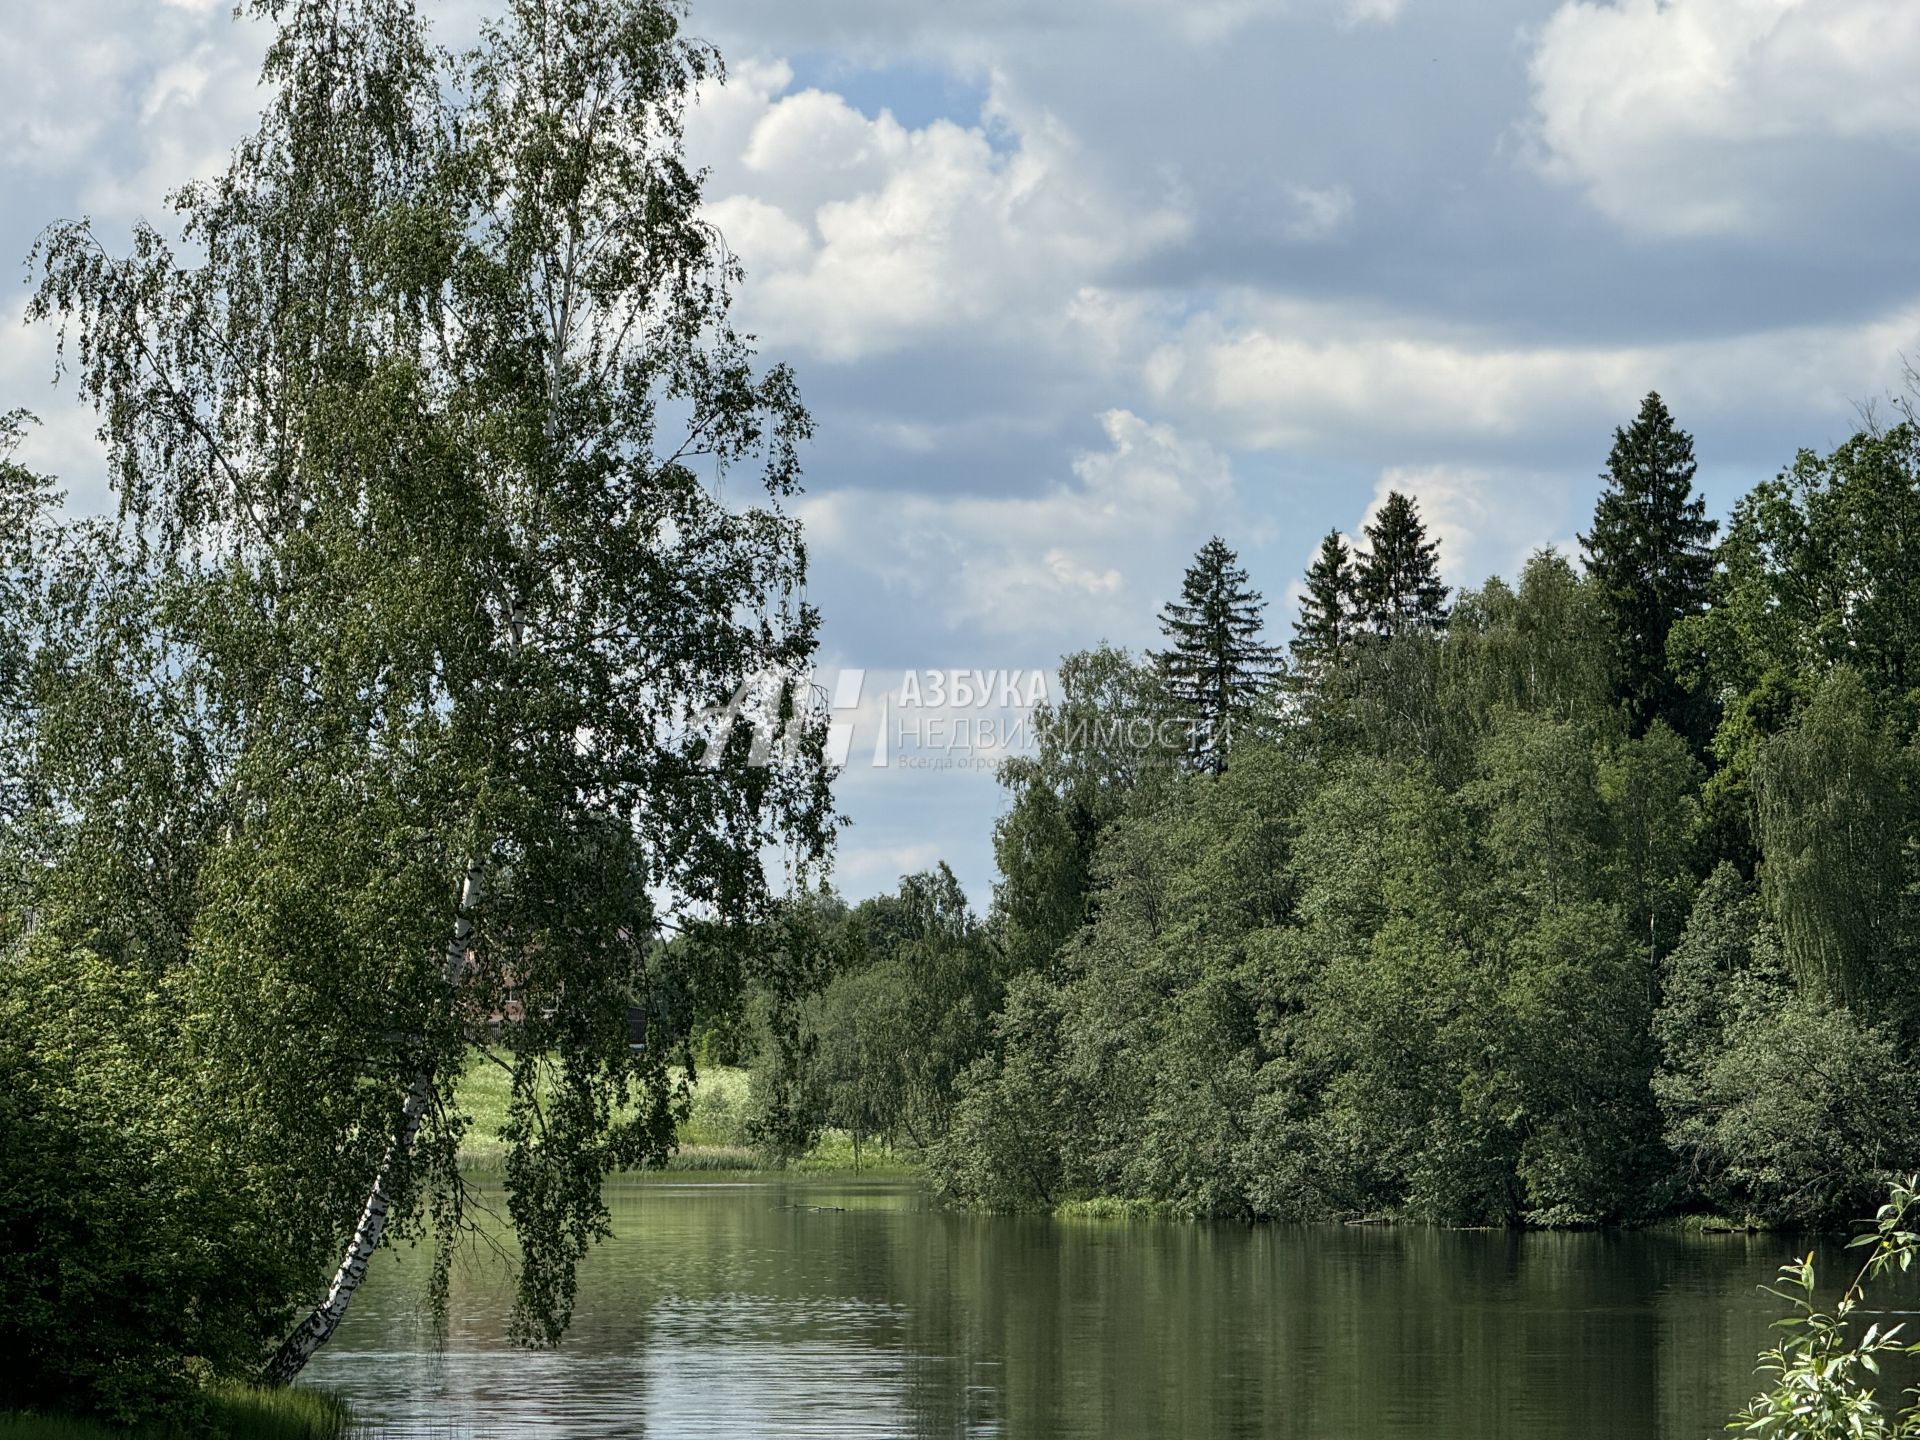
pixel 427 418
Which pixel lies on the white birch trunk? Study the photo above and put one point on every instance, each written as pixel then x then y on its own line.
pixel 325 1318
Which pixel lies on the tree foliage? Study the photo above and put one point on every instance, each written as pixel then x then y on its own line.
pixel 1216 665
pixel 1397 577
pixel 1650 553
pixel 1825 1378
pixel 450 501
pixel 1329 612
pixel 1437 943
pixel 906 1006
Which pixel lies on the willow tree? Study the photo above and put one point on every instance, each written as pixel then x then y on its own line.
pixel 470 501
pixel 1835 802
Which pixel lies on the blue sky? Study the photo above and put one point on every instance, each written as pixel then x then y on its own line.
pixel 1072 285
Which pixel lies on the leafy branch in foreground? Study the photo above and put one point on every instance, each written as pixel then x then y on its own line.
pixel 1824 1380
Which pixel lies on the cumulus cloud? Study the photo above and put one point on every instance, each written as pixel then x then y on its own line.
pixel 967 29
pixel 1705 116
pixel 65 442
pixel 53 58
pixel 861 234
pixel 1286 375
pixel 111 91
pixel 1060 568
pixel 1216 20
pixel 868 869
pixel 1281 375
pixel 190 112
pixel 1487 521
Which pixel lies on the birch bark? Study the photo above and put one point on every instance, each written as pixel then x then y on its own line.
pixel 325 1318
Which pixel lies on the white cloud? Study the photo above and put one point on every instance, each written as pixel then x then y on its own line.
pixel 191 112
pixel 1373 12
pixel 57 68
pixel 112 90
pixel 1705 116
pixel 1487 521
pixel 1294 375
pixel 861 234
pixel 65 443
pixel 1060 568
pixel 965 29
pixel 873 869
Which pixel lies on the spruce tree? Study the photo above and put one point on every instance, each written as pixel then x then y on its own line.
pixel 1216 663
pixel 1327 611
pixel 1650 555
pixel 1397 580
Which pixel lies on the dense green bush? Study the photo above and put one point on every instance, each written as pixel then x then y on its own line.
pixel 1779 1103
pixel 909 986
pixel 137 1271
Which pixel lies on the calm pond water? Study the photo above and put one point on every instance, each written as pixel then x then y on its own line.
pixel 845 1308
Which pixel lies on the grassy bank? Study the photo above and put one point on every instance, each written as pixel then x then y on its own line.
pixel 713 1137
pixel 1113 1207
pixel 239 1413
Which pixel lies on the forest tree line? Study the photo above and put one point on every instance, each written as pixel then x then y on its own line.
pixel 1585 898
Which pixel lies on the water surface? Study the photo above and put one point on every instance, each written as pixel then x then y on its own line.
pixel 843 1308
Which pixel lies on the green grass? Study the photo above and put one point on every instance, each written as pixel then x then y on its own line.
pixel 1717 1225
pixel 713 1137
pixel 52 1427
pixel 1113 1207
pixel 234 1413
pixel 483 1095
pixel 834 1154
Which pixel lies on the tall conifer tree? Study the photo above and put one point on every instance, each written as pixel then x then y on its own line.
pixel 1327 611
pixel 1397 580
pixel 1650 553
pixel 1216 663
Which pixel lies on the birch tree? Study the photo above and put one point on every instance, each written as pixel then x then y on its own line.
pixel 469 500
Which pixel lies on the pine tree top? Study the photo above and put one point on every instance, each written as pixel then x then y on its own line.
pixel 1397 580
pixel 1216 663
pixel 1649 528
pixel 1328 610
